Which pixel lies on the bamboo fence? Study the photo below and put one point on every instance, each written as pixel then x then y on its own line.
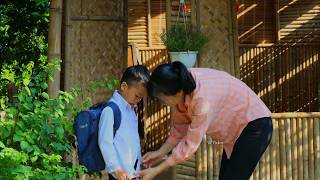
pixel 294 151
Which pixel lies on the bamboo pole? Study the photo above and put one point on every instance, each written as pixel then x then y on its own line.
pixel 288 149
pixel 210 159
pixel 256 172
pixel 305 148
pixel 296 115
pixel 267 155
pixel 294 149
pixel 262 166
pixel 199 165
pixel 273 160
pixel 277 148
pixel 283 163
pixel 215 162
pixel 300 151
pixel 205 158
pixel 316 144
pixel 54 44
pixel 311 150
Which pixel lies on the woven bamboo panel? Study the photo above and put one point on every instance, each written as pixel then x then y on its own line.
pixel 216 23
pixel 299 21
pixel 94 50
pixel 102 8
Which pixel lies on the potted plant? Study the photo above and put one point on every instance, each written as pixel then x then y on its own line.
pixel 183 44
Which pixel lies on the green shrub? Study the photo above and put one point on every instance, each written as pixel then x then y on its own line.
pixel 37 132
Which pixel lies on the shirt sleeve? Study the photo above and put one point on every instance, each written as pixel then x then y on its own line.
pixel 176 130
pixel 189 144
pixel 105 140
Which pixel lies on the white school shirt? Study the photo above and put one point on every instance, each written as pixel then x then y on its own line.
pixel 123 150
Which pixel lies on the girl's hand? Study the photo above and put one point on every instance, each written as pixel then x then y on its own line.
pixel 148 174
pixel 151 158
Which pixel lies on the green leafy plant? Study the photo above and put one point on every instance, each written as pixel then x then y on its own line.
pixel 36 134
pixel 179 38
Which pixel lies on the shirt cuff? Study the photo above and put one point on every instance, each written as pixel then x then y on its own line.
pixel 112 168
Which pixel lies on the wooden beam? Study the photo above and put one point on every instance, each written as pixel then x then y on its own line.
pixel 54 44
pixel 149 24
pixel 97 18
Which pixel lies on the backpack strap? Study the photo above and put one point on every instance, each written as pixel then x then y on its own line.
pixel 116 115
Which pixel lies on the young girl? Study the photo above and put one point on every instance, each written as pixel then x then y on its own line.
pixel 212 102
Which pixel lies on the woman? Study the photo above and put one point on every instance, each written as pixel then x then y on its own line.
pixel 212 102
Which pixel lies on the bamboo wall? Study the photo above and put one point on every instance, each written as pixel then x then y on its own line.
pixel 256 21
pixel 294 152
pixel 285 77
pixel 299 21
pixel 216 19
pixel 95 43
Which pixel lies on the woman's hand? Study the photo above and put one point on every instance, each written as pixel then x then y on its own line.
pixel 122 174
pixel 151 158
pixel 148 174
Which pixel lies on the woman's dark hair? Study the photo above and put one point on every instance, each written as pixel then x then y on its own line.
pixel 135 74
pixel 169 79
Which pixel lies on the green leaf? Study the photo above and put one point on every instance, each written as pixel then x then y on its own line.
pixel 2 145
pixel 16 138
pixel 34 159
pixel 45 95
pixel 110 86
pixel 24 145
pixel 60 132
pixel 28 91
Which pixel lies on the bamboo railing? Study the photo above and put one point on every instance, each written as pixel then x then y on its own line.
pixel 294 151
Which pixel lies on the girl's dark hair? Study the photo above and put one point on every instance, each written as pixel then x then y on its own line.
pixel 135 74
pixel 169 79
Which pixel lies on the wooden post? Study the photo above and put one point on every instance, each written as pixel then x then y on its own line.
pixel 193 15
pixel 234 47
pixel 277 8
pixel 54 44
pixel 168 14
pixel 149 24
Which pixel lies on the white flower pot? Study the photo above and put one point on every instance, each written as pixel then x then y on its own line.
pixel 187 58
